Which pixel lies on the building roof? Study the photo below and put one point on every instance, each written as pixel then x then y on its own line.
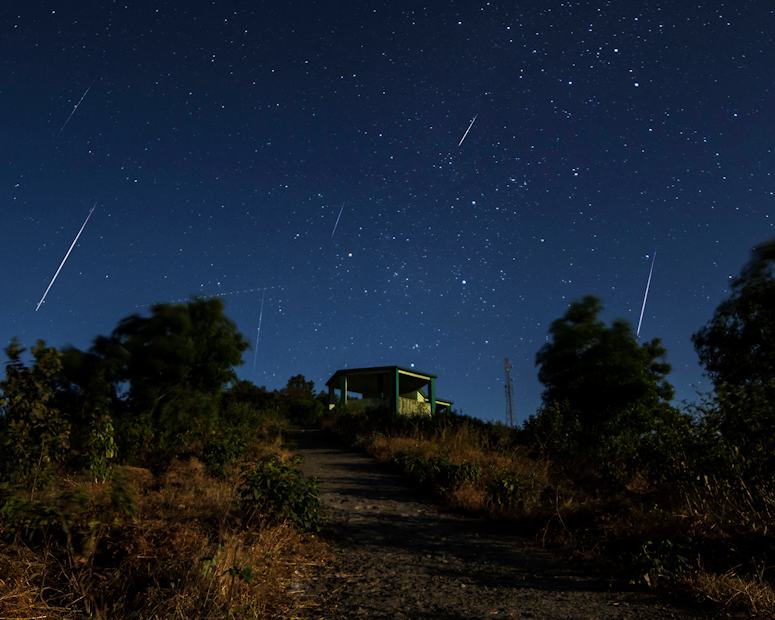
pixel 378 370
pixel 371 380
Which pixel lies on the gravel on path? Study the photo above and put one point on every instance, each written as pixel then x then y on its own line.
pixel 398 555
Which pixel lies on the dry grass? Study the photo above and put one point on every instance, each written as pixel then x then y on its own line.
pixel 184 554
pixel 750 595
pixel 716 523
pixel 469 497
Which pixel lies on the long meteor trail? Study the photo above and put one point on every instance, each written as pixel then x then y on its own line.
pixel 646 294
pixel 64 260
pixel 75 107
pixel 258 331
pixel 337 221
pixel 467 130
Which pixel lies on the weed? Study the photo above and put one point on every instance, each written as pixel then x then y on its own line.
pixel 510 491
pixel 275 492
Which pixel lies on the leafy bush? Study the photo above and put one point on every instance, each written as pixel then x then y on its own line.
pixel 659 560
pixel 36 520
pixel 70 517
pixel 34 433
pixel 448 475
pixel 437 472
pixel 510 491
pixel 412 465
pixel 275 491
pixel 221 451
pixel 101 448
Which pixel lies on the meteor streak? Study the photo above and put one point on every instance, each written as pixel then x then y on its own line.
pixel 258 331
pixel 646 294
pixel 62 264
pixel 75 107
pixel 243 291
pixel 337 221
pixel 467 130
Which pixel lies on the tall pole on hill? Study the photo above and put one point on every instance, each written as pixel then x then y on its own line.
pixel 509 387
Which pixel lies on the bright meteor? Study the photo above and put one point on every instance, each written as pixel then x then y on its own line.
pixel 646 294
pixel 75 107
pixel 64 260
pixel 467 130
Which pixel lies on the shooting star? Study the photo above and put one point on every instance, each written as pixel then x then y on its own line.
pixel 64 260
pixel 467 130
pixel 75 107
pixel 258 331
pixel 337 221
pixel 646 294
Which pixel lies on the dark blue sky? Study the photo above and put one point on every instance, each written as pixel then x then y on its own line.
pixel 220 141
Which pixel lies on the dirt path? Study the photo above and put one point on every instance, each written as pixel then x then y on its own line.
pixel 399 556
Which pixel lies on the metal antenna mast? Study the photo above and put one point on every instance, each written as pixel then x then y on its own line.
pixel 509 387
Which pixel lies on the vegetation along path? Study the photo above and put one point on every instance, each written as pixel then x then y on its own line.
pixel 398 555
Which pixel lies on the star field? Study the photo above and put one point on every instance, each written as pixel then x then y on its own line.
pixel 222 140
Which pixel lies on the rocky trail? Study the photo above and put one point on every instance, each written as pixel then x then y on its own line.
pixel 398 555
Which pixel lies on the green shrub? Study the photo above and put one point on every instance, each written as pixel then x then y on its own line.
pixel 447 475
pixel 34 433
pixel 34 520
pixel 437 472
pixel 412 465
pixel 221 451
pixel 660 560
pixel 101 448
pixel 508 491
pixel 275 492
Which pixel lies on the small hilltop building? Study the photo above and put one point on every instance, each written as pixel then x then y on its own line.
pixel 402 390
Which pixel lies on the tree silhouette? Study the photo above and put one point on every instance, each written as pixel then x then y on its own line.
pixel 737 349
pixel 173 365
pixel 606 382
pixel 737 346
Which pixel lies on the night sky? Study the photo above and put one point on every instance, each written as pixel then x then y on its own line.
pixel 221 141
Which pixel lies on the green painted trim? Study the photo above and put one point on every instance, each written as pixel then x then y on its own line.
pixel 376 370
pixel 397 393
pixel 414 374
pixel 343 390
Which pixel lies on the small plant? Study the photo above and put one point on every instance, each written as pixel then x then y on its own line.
pixel 448 476
pixel 275 491
pixel 664 559
pixel 510 491
pixel 220 452
pixel 101 448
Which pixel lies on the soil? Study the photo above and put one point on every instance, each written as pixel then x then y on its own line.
pixel 397 554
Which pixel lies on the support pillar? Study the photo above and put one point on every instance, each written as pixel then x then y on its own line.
pixel 396 394
pixel 343 390
pixel 432 394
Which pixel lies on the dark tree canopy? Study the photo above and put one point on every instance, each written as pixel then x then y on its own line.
pixel 193 346
pixel 737 346
pixel 169 370
pixel 299 388
pixel 604 376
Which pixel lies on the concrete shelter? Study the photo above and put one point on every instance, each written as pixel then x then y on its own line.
pixel 403 390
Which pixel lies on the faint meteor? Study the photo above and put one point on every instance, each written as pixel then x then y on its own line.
pixel 467 130
pixel 646 294
pixel 62 264
pixel 202 294
pixel 75 107
pixel 337 221
pixel 258 331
